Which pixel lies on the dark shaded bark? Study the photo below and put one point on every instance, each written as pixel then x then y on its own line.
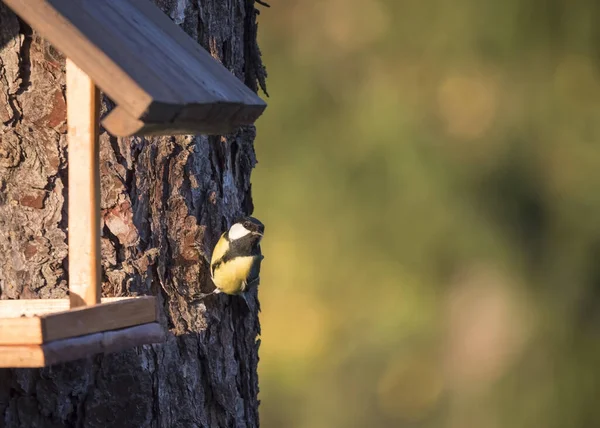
pixel 160 196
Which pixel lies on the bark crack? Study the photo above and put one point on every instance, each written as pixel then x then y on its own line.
pixel 23 74
pixel 24 57
pixel 255 70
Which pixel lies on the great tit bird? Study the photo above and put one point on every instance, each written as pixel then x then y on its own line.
pixel 235 261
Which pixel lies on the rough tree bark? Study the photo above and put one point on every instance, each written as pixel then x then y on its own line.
pixel 160 196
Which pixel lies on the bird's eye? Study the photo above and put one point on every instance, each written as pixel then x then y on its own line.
pixel 247 224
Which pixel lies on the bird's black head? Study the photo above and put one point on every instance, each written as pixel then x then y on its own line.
pixel 253 225
pixel 246 226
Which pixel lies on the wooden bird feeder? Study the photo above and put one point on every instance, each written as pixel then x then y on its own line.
pixel 162 82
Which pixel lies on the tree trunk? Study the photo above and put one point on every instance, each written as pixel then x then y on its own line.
pixel 160 196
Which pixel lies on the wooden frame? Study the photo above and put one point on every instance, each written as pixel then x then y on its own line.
pixel 36 333
pixel 162 82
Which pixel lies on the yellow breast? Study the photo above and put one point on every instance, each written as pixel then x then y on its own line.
pixel 231 276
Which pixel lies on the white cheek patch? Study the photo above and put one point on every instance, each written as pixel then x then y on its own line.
pixel 237 231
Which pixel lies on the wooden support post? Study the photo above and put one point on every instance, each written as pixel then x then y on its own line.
pixel 83 107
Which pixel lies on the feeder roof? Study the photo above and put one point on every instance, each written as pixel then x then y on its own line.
pixel 161 79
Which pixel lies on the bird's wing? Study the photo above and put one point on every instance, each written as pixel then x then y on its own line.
pixel 254 274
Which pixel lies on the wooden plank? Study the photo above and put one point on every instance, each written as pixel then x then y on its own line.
pixel 83 107
pixel 210 115
pixel 212 119
pixel 212 103
pixel 118 122
pixel 93 319
pixel 80 321
pixel 189 52
pixel 108 342
pixel 33 307
pixel 181 55
pixel 211 74
pixel 146 42
pixel 64 350
pixel 22 356
pixel 22 330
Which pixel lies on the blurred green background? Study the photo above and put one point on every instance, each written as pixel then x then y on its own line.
pixel 429 174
